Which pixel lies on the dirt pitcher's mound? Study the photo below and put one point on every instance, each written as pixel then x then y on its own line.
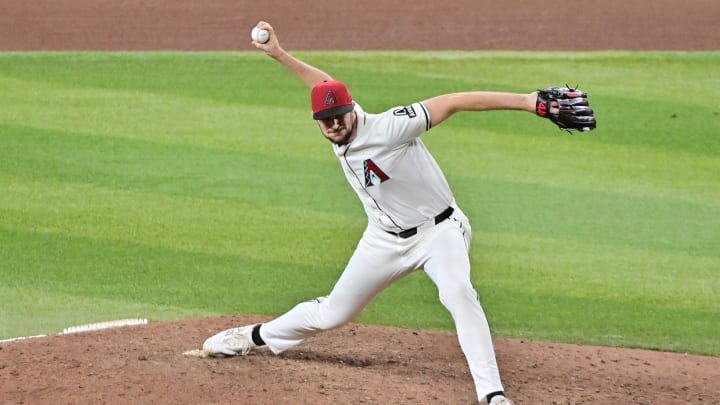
pixel 355 364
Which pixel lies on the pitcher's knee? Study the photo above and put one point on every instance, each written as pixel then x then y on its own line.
pixel 459 294
pixel 327 318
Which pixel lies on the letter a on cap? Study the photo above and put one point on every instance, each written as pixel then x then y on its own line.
pixel 330 98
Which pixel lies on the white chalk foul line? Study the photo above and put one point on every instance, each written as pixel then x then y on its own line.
pixel 87 328
pixel 21 338
pixel 104 325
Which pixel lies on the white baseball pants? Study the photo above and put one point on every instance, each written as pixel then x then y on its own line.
pixel 382 258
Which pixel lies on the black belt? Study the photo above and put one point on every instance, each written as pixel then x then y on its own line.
pixel 412 231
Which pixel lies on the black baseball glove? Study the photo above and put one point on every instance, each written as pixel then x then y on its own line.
pixel 573 110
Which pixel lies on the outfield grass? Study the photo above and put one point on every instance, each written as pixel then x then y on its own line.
pixel 178 185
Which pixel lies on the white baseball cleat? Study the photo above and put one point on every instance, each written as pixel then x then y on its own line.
pixel 231 342
pixel 501 400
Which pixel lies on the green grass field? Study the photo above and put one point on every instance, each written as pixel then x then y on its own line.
pixel 180 185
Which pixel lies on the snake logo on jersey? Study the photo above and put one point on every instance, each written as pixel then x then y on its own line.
pixel 373 174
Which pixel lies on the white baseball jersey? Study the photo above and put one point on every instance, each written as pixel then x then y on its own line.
pixel 398 181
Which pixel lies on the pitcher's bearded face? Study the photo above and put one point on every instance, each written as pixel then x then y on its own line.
pixel 339 129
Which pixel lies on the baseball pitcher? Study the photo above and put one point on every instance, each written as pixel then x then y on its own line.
pixel 414 221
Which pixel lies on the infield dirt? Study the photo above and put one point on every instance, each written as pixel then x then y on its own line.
pixel 356 364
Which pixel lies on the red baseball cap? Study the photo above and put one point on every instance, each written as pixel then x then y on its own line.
pixel 330 98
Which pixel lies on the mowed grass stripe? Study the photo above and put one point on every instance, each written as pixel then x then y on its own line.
pixel 216 226
pixel 603 218
pixel 592 270
pixel 249 176
pixel 576 162
pixel 160 118
pixel 215 77
pixel 600 320
pixel 148 275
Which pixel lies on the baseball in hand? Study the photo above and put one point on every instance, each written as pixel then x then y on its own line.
pixel 260 35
